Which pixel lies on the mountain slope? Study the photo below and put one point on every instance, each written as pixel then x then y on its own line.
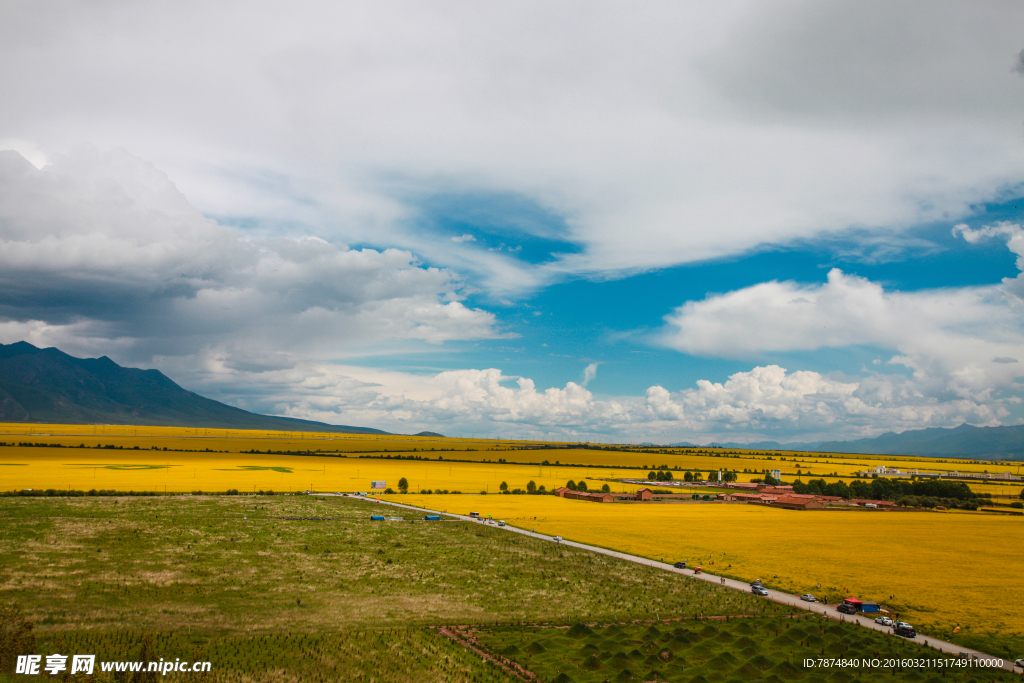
pixel 963 441
pixel 48 385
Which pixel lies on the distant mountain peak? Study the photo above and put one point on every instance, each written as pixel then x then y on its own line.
pixel 48 385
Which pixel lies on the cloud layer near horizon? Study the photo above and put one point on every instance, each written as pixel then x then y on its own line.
pixel 100 253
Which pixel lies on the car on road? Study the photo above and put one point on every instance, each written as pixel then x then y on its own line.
pixel 846 608
pixel 755 582
pixel 680 565
pixel 904 629
pixel 557 539
pixel 884 621
pixel 1019 662
pixel 807 597
pixel 759 590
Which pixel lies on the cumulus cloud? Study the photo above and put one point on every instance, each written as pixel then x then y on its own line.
pixel 764 402
pixel 768 399
pixel 589 373
pixel 102 246
pixel 959 343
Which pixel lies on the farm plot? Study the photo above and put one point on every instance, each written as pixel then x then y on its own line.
pixel 767 649
pixel 147 470
pixel 300 588
pixel 937 570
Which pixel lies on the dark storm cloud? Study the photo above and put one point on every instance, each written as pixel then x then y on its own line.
pixel 105 242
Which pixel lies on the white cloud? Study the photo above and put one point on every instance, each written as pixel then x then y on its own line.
pixel 960 343
pixel 589 373
pixel 768 400
pixel 764 402
pixel 463 238
pixel 642 125
pixel 102 246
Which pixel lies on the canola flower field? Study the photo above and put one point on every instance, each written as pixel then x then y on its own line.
pixel 170 472
pixel 597 455
pixel 943 570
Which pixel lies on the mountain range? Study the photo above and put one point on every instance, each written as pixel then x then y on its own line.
pixel 48 385
pixel 965 441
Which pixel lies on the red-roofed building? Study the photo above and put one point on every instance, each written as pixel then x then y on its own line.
pixel 794 503
pixel 756 498
pixel 593 497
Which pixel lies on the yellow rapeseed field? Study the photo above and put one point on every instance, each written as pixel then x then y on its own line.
pixel 942 569
pixel 130 470
pixel 812 464
pixel 602 461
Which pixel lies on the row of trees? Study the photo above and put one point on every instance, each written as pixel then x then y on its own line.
pixel 666 475
pixel 888 489
pixel 582 486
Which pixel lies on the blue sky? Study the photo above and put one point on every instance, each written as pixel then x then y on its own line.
pixel 680 221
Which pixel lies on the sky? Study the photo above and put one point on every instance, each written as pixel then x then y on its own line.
pixel 654 222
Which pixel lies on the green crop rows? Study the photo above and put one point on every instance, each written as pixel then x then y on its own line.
pixel 768 649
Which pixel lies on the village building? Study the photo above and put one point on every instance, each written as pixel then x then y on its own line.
pixel 592 496
pixel 794 503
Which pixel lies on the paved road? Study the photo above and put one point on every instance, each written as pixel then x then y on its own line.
pixel 828 611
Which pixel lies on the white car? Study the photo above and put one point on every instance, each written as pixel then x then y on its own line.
pixel 1019 662
pixel 884 621
pixel 807 597
pixel 759 590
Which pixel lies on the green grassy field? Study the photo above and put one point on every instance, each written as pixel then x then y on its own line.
pixel 290 588
pixel 769 649
pixel 230 576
